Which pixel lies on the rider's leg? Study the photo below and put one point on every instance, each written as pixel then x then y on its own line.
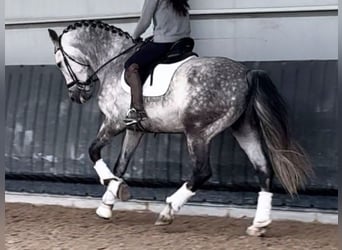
pixel 137 112
pixel 137 66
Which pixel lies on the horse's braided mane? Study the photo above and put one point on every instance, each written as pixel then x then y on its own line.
pixel 97 24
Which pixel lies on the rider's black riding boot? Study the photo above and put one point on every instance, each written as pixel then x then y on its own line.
pixel 137 112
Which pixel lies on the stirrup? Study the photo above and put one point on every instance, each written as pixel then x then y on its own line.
pixel 134 116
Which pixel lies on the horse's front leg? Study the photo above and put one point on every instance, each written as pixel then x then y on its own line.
pixel 114 184
pixel 129 144
pixel 199 153
pixel 117 188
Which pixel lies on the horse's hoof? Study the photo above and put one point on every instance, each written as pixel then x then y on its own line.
pixel 163 220
pixel 104 211
pixel 262 224
pixel 256 231
pixel 123 192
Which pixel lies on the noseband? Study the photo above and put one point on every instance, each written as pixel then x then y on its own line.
pixel 75 80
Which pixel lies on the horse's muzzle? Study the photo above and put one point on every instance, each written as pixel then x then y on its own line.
pixel 75 96
pixel 79 97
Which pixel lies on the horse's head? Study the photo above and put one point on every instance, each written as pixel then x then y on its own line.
pixel 75 67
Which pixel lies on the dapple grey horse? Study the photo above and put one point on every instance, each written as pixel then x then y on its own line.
pixel 205 97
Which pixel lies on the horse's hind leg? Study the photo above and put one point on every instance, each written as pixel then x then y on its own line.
pixel 199 153
pixel 249 140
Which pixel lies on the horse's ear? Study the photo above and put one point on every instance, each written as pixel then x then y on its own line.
pixel 54 37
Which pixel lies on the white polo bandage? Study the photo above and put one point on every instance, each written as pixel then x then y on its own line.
pixel 263 212
pixel 103 171
pixel 179 198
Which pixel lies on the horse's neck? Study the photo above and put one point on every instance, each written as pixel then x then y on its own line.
pixel 101 58
pixel 113 70
pixel 110 93
pixel 107 52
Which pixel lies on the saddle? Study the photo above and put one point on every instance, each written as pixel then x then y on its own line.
pixel 180 50
pixel 162 71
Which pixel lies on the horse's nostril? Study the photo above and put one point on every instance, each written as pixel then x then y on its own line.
pixel 72 98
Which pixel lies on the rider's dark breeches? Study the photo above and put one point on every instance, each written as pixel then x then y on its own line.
pixel 148 56
pixel 138 67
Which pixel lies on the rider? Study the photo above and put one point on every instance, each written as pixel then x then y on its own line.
pixel 170 23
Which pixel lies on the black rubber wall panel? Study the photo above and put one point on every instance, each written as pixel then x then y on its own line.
pixel 47 136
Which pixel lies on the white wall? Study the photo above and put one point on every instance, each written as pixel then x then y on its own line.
pixel 247 30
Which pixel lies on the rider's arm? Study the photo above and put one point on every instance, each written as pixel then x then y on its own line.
pixel 146 17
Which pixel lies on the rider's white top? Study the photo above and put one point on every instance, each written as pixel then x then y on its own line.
pixel 168 25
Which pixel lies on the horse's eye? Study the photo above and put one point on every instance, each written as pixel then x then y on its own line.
pixel 59 64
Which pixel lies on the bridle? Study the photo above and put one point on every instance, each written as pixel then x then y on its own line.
pixel 75 81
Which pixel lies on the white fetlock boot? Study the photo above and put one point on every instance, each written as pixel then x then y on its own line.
pixel 116 188
pixel 174 204
pixel 178 199
pixel 262 215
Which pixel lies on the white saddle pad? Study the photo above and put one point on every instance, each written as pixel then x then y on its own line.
pixel 162 76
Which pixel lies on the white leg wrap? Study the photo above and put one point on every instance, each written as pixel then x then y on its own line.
pixel 179 198
pixel 103 171
pixel 263 212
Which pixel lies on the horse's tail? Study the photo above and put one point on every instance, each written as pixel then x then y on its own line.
pixel 288 159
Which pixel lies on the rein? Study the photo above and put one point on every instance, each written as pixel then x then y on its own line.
pixel 76 81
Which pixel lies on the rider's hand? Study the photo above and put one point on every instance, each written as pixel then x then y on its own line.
pixel 138 40
pixel 149 39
